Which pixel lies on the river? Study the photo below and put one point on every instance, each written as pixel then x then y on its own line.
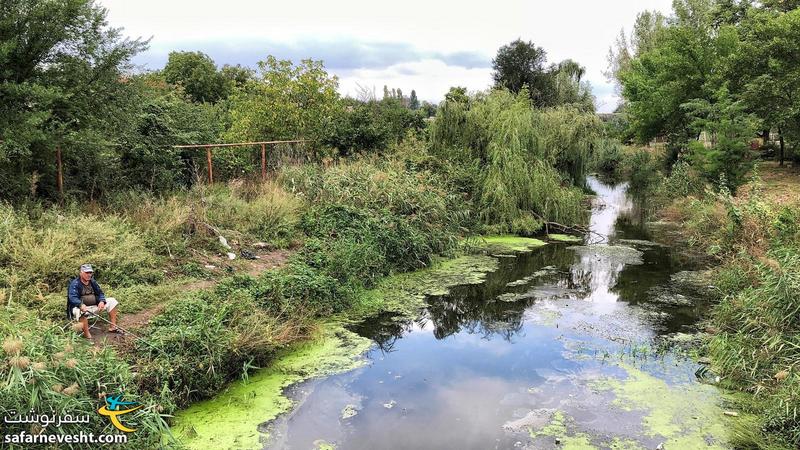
pixel 568 346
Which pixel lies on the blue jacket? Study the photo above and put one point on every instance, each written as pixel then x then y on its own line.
pixel 75 290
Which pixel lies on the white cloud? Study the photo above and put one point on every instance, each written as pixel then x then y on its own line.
pixel 430 78
pixel 577 29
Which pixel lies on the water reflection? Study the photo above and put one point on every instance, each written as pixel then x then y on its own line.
pixel 486 355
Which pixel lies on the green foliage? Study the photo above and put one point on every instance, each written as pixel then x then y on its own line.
pixel 755 328
pixel 513 151
pixel 260 211
pixel 758 340
pixel 61 83
pixel 728 153
pixel 764 70
pixel 285 101
pixel 643 172
pixel 521 64
pixel 607 157
pixel 358 128
pixel 682 182
pixel 198 75
pixel 47 369
pixel 371 126
pixel 164 118
pixel 200 343
pixel 566 137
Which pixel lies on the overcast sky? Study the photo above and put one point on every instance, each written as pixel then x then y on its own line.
pixel 426 45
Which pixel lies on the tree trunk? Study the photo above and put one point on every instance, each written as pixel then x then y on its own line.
pixel 780 139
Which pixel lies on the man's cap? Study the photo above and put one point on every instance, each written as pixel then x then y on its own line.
pixel 87 268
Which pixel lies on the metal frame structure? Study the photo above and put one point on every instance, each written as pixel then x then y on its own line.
pixel 263 145
pixel 208 147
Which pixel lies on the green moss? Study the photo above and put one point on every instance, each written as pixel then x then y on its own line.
pixel 230 419
pixel 564 238
pixel 511 243
pixel 687 415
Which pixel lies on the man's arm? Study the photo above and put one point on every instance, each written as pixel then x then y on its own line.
pixel 73 298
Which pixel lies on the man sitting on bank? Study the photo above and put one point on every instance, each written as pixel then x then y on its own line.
pixel 85 296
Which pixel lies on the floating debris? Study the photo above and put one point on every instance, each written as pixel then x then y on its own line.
pixel 349 411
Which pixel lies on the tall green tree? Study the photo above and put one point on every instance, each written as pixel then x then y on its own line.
pixel 62 82
pixel 521 64
pixel 413 101
pixel 765 70
pixel 679 65
pixel 198 75
pixel 285 101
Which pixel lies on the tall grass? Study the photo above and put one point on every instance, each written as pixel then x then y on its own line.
pixel 40 254
pixel 755 342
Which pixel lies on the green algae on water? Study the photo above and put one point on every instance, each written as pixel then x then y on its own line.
pixel 558 428
pixel 404 294
pixel 564 237
pixel 510 243
pixel 231 419
pixel 686 415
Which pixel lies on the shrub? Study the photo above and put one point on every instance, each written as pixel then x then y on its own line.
pixel 607 157
pixel 204 341
pixel 682 181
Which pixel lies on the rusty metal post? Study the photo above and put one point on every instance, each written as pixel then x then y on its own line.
pixel 210 167
pixel 60 172
pixel 263 161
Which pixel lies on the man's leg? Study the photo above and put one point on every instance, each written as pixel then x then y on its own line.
pixel 111 306
pixel 85 325
pixel 112 314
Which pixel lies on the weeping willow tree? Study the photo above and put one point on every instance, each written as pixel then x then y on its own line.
pixel 567 136
pixel 517 187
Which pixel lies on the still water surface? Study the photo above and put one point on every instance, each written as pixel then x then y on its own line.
pixel 487 365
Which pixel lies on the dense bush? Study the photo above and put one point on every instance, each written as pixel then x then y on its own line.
pixel 607 157
pixel 357 129
pixel 643 170
pixel 202 342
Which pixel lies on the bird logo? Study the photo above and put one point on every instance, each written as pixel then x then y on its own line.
pixel 112 409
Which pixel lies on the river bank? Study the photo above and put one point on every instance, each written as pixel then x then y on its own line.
pixel 750 242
